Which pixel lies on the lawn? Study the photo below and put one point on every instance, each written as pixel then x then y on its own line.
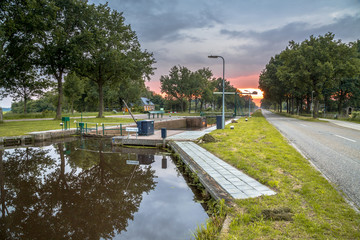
pixel 24 127
pixel 306 205
pixel 10 115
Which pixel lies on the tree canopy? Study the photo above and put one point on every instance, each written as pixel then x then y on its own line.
pixel 316 70
pixel 56 37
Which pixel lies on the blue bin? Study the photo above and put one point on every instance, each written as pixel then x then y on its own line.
pixel 218 122
pixel 145 127
pixel 163 133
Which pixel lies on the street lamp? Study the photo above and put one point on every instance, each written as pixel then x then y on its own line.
pixel 223 92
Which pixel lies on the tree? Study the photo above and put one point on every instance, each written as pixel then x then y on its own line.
pixel 319 66
pixel 21 25
pixel 347 74
pixel 115 56
pixel 62 45
pixel 73 89
pixel 181 83
pixel 203 78
pixel 176 84
pixel 26 86
pixel 270 83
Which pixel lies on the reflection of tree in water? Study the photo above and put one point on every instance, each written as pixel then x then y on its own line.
pixel 67 202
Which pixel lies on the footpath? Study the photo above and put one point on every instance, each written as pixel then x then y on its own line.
pixel 230 179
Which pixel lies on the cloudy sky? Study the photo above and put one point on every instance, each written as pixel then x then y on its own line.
pixel 246 33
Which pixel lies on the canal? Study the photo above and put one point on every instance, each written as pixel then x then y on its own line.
pixel 88 189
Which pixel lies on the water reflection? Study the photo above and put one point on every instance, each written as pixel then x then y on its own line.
pixel 88 190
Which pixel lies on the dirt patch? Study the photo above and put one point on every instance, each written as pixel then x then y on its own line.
pixel 208 138
pixel 280 214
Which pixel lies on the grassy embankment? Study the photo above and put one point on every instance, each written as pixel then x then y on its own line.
pixel 306 205
pixel 24 127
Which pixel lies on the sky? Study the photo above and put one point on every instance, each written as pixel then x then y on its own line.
pixel 245 33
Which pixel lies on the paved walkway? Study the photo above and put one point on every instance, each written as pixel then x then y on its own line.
pixel 235 182
pixel 232 180
pixel 191 135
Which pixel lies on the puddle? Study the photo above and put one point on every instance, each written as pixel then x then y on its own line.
pixel 87 189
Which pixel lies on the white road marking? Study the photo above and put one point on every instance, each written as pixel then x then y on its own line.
pixel 303 125
pixel 345 138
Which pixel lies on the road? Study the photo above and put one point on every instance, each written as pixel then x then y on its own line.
pixel 333 149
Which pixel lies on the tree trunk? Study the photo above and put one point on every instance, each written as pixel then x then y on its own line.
pixel 340 102
pixel 316 108
pixel 25 102
pixel 60 96
pixel 101 100
pixel 287 105
pixel 2 185
pixel 72 107
pixel 196 103
pixel 189 105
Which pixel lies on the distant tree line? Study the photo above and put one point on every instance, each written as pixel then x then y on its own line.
pixel 182 87
pixel 44 41
pixel 319 70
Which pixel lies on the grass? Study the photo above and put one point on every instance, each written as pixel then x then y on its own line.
pixel 10 115
pixel 300 117
pixel 314 209
pixel 24 127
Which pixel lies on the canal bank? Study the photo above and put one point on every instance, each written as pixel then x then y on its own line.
pixel 219 178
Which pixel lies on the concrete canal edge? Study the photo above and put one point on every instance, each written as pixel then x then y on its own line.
pixel 214 189
pixel 35 137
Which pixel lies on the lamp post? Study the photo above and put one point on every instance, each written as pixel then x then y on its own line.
pixel 223 92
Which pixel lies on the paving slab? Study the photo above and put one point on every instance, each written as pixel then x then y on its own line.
pixel 232 180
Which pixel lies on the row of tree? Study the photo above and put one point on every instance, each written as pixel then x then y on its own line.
pixel 317 70
pixel 43 41
pixel 182 85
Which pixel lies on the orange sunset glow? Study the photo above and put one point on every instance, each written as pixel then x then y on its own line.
pixel 238 82
pixel 256 98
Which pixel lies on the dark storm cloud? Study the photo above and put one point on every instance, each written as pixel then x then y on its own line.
pixel 164 20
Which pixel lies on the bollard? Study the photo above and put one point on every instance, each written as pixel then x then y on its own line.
pixel 163 135
pixel 163 132
pixel 120 129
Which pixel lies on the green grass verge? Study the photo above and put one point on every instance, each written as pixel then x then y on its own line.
pixel 300 117
pixel 10 115
pixel 314 209
pixel 24 127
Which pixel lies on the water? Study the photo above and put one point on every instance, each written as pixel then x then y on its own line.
pixel 87 189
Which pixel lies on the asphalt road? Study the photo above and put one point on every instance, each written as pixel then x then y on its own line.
pixel 333 149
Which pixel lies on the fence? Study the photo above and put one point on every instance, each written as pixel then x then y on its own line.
pixel 102 129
